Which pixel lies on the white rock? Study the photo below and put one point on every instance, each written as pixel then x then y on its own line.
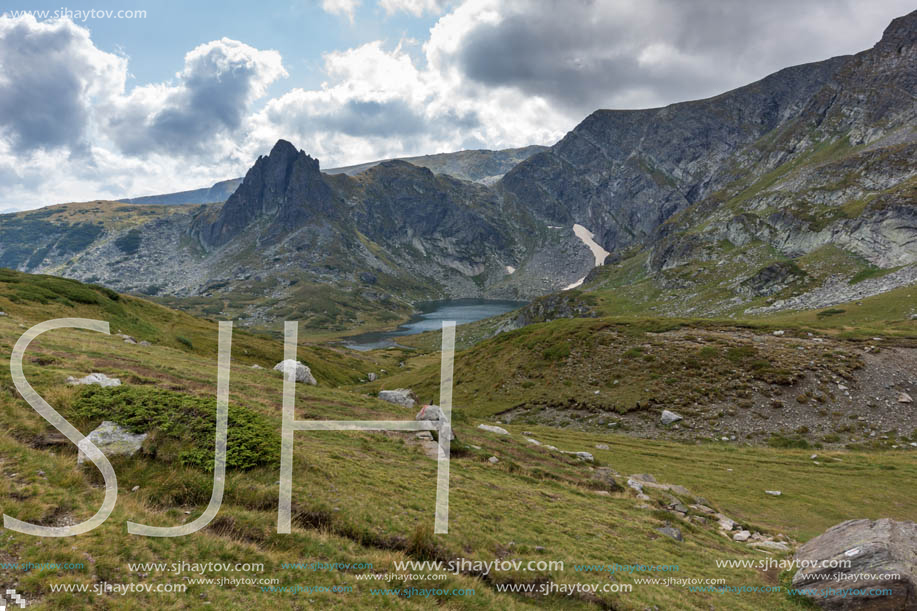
pixel 94 378
pixel 779 333
pixel 582 456
pixel 724 522
pixel 534 441
pixel 773 492
pixel 493 429
pixel 601 446
pixel 668 417
pixel 113 440
pixel 404 397
pixel 904 398
pixel 742 535
pixel 434 413
pixel 372 377
pixel 301 372
pixel 493 460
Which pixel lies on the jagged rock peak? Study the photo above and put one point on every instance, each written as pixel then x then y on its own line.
pixel 286 185
pixel 900 32
pixel 284 153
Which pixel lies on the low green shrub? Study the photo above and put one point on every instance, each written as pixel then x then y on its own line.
pixel 187 420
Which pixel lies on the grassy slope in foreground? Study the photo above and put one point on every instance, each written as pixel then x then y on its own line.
pixel 369 497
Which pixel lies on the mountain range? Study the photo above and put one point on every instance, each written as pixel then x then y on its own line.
pixel 795 190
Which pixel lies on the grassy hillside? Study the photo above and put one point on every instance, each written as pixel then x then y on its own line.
pixel 369 497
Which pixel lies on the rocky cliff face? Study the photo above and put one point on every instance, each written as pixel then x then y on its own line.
pixel 623 173
pixel 840 175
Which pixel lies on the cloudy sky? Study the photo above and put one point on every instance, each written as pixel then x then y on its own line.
pixel 95 106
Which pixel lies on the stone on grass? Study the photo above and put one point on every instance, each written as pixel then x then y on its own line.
pixel 113 440
pixel 301 372
pixel 94 378
pixel 668 417
pixel 601 446
pixel 493 460
pixel 670 531
pixel 582 456
pixel 404 397
pixel 742 535
pixel 493 429
pixel 605 477
pixel 773 492
pixel 775 546
pixel 434 413
pixel 371 376
pixel 725 523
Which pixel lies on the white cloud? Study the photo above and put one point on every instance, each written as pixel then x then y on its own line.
pixel 51 75
pixel 381 103
pixel 413 7
pixel 70 131
pixel 347 8
pixel 210 99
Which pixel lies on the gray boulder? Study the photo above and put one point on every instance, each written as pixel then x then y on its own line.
pixel 94 378
pixel 876 550
pixel 605 477
pixel 499 430
pixel 371 376
pixel 742 535
pixel 433 413
pixel 113 440
pixel 404 397
pixel 669 417
pixel 302 372
pixel 670 531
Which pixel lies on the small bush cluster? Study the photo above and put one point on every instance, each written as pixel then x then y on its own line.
pixel 188 420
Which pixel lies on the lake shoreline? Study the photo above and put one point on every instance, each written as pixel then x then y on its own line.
pixel 429 318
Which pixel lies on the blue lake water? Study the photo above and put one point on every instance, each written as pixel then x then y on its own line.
pixel 431 317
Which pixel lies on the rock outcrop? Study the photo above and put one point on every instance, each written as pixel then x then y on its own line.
pixel 113 440
pixel 875 550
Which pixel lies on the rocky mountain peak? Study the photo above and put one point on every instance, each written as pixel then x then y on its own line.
pixel 286 185
pixel 901 32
